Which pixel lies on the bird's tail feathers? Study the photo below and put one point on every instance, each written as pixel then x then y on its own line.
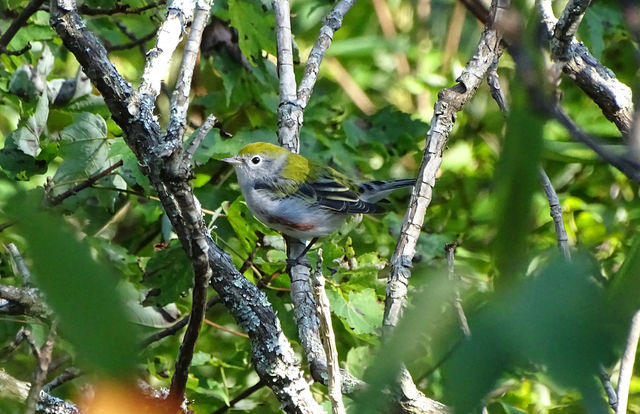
pixel 373 191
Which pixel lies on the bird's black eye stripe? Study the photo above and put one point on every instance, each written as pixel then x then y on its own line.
pixel 255 160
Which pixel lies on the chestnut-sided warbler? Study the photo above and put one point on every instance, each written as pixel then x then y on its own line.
pixel 302 198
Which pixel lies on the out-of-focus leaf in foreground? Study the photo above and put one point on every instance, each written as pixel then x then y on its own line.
pixel 556 321
pixel 80 291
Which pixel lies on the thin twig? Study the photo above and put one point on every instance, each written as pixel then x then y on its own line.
pixel 17 340
pixel 289 119
pixel 244 394
pixel 158 58
pixel 118 9
pixel 180 96
pixel 608 388
pixel 450 250
pixel 199 136
pixel 43 359
pixel 66 376
pixel 17 23
pixel 224 328
pixel 171 330
pixel 624 162
pixel 137 42
pixel 331 23
pixel 626 364
pixel 555 211
pixel 328 339
pixel 85 184
pixel 21 266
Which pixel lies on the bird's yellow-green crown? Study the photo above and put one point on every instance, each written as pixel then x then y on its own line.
pixel 297 167
pixel 261 148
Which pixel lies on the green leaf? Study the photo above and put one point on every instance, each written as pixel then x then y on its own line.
pixel 31 33
pixel 516 181
pixel 255 25
pixel 18 164
pixel 130 170
pixel 81 292
pixel 85 151
pixel 244 224
pixel 169 273
pixel 361 311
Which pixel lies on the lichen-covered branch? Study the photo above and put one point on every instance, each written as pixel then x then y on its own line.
pixel 331 23
pixel 180 97
pixel 169 172
pixel 566 27
pixel 328 340
pixel 179 12
pixel 612 96
pixel 289 120
pixel 13 389
pixel 450 101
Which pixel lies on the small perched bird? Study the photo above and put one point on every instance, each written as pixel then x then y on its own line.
pixel 302 198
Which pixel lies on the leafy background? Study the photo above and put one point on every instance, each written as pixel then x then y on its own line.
pixel 120 251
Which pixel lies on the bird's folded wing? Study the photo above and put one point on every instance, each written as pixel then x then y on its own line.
pixel 336 196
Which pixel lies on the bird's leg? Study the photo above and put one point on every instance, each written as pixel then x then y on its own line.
pixel 297 260
pixel 306 249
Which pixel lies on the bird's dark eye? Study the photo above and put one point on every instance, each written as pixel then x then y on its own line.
pixel 255 160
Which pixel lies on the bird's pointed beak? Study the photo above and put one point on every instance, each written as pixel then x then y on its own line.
pixel 232 160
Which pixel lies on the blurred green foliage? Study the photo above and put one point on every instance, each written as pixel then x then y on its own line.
pixel 534 343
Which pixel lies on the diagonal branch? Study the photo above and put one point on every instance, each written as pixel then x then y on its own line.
pixel 612 96
pixel 331 23
pixel 450 101
pixel 158 58
pixel 566 28
pixel 180 97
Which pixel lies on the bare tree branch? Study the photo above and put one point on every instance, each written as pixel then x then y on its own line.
pixel 289 119
pixel 43 359
pixel 566 27
pixel 85 184
pixel 169 34
pixel 24 301
pixel 555 211
pixel 66 376
pixel 180 97
pixel 244 394
pixel 450 250
pixel 596 80
pixel 331 23
pixel 450 101
pixel 608 388
pixel 21 266
pixel 16 390
pixel 626 364
pixel 328 339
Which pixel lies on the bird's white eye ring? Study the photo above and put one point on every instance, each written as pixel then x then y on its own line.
pixel 255 160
